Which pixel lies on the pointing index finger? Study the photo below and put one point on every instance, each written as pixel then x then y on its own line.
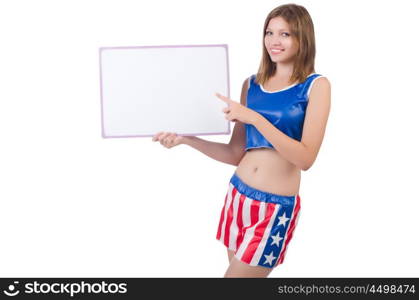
pixel 221 97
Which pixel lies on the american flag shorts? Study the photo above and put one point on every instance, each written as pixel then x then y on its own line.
pixel 257 225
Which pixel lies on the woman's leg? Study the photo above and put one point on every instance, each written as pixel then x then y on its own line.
pixel 230 254
pixel 241 269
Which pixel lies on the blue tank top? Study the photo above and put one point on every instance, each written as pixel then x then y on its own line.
pixel 285 109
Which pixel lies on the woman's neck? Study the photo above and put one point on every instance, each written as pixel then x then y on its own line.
pixel 283 71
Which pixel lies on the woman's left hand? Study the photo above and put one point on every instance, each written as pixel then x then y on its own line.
pixel 237 112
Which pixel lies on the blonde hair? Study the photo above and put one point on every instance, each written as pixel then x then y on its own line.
pixel 302 30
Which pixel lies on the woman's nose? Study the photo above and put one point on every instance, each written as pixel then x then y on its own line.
pixel 276 45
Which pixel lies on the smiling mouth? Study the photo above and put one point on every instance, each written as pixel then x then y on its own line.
pixel 276 51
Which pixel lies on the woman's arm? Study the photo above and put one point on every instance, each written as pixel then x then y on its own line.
pixel 304 153
pixel 230 153
pixel 218 151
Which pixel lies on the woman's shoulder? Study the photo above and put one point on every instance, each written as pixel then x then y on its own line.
pixel 321 79
pixel 317 79
pixel 319 82
pixel 250 80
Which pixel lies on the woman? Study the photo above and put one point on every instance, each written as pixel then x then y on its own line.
pixel 280 125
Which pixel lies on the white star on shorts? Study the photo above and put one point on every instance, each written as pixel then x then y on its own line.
pixel 269 258
pixel 283 219
pixel 276 239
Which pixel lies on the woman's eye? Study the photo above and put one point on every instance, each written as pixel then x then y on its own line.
pixel 284 33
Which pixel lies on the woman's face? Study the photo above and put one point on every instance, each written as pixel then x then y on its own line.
pixel 278 37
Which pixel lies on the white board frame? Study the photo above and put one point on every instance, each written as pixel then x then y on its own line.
pixel 148 89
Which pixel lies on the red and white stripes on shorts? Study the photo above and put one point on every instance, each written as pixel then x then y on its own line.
pixel 258 226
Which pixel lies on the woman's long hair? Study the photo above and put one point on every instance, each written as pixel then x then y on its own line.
pixel 302 30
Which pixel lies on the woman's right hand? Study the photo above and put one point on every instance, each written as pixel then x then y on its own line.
pixel 169 139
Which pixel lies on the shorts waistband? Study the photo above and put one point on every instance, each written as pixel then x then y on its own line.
pixel 256 194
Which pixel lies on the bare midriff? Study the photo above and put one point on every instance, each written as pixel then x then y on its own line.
pixel 264 169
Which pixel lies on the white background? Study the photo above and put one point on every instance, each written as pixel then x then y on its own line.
pixel 75 204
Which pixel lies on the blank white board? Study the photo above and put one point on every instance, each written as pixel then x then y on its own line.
pixel 148 89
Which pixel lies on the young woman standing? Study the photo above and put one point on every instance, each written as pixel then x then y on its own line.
pixel 280 125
